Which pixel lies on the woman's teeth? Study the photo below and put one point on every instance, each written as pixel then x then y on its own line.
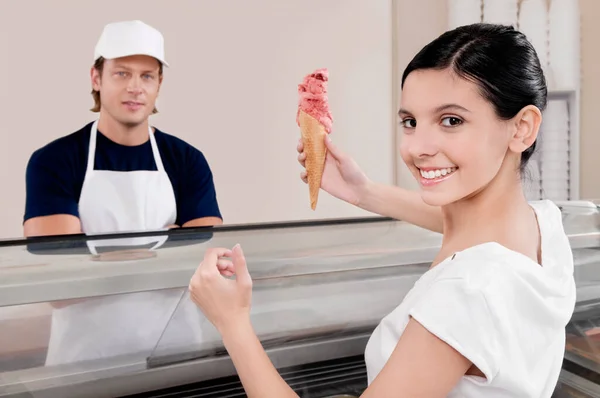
pixel 431 174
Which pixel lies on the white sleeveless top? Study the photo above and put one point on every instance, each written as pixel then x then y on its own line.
pixel 499 309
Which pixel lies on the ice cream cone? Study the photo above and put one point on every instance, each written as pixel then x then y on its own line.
pixel 313 137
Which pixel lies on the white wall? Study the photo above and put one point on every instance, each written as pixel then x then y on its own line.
pixel 590 99
pixel 230 91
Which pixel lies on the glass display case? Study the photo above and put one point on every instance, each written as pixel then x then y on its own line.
pixel 110 315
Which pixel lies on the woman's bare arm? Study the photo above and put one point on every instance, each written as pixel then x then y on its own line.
pixel 401 204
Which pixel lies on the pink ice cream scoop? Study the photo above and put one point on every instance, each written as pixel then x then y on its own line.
pixel 312 93
pixel 315 121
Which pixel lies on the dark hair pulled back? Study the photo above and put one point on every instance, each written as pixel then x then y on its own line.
pixel 499 59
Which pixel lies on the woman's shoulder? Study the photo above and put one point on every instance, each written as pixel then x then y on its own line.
pixel 481 265
pixel 513 285
pixel 491 265
pixel 492 262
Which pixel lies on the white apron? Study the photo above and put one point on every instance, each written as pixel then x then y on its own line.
pixel 113 202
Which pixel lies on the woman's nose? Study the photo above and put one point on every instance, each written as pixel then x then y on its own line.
pixel 422 143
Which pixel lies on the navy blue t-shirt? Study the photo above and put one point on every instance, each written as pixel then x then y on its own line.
pixel 55 173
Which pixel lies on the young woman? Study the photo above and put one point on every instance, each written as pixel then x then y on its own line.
pixel 488 319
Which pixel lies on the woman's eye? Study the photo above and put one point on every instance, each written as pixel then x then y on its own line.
pixel 451 121
pixel 409 123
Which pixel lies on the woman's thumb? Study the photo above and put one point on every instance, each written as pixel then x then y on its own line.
pixel 239 263
pixel 333 149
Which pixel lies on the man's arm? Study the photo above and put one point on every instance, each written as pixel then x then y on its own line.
pixel 197 203
pixel 51 206
pixel 57 224
pixel 203 222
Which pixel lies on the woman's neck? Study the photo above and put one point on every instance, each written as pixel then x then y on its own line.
pixel 494 214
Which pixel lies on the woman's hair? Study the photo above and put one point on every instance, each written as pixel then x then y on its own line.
pixel 499 59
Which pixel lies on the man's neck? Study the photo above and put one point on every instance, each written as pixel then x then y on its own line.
pixel 123 134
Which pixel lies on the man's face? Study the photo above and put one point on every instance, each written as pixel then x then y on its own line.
pixel 128 88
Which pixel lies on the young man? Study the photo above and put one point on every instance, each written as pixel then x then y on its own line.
pixel 119 174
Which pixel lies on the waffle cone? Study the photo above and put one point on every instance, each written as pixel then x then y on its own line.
pixel 313 137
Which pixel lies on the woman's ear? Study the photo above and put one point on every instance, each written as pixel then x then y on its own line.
pixel 527 126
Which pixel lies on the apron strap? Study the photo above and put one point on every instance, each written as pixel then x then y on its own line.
pixel 155 152
pixel 92 147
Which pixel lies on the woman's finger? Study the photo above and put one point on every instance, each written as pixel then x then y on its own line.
pixel 211 256
pixel 241 268
pixel 224 263
pixel 300 147
pixel 225 267
pixel 208 266
pixel 302 159
pixel 304 176
pixel 335 152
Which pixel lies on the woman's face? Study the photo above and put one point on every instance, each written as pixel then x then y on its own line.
pixel 452 141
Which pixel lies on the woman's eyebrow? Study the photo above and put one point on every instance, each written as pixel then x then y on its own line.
pixel 439 109
pixel 403 112
pixel 447 107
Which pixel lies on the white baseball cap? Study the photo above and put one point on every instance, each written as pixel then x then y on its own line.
pixel 125 38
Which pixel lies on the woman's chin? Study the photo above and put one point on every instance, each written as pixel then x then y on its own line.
pixel 436 198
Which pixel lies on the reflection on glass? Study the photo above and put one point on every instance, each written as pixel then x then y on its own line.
pixel 111 326
pixel 583 338
pixel 24 334
pixel 89 330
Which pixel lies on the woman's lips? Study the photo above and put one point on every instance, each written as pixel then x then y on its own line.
pixel 432 176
